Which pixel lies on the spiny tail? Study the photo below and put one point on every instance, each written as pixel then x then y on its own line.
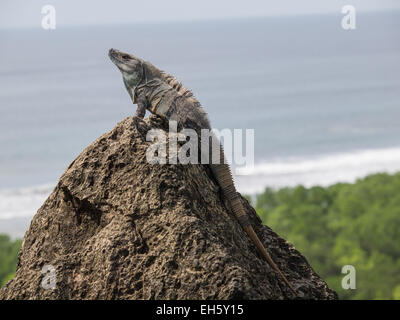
pixel 223 175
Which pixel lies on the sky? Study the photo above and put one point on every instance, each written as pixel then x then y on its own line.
pixel 23 13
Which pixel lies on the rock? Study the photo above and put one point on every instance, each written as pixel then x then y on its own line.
pixel 117 227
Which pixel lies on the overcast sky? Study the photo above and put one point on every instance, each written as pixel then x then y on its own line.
pixel 27 13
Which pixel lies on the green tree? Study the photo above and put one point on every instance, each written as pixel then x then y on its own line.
pixel 8 258
pixel 344 224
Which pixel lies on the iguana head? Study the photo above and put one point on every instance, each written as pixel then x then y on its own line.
pixel 130 66
pixel 134 71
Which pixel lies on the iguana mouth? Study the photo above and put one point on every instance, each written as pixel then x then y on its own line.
pixel 113 54
pixel 119 57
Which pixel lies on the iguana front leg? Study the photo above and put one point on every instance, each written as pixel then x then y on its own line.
pixel 142 104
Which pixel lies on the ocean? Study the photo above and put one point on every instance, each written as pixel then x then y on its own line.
pixel 324 102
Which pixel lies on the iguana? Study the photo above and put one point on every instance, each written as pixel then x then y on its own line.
pixel 163 95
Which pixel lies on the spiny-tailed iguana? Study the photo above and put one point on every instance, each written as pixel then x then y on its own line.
pixel 160 93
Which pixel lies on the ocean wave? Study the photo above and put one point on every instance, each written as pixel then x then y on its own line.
pixel 321 170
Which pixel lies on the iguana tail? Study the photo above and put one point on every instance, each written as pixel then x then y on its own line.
pixel 223 176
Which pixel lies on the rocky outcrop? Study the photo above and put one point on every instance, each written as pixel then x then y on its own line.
pixel 117 227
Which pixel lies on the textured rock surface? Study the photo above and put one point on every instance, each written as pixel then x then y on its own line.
pixel 116 227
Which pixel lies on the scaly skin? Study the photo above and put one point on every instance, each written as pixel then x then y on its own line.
pixel 163 95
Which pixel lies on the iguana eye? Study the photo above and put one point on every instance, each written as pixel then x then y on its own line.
pixel 126 57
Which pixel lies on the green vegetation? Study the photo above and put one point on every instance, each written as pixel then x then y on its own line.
pixel 344 224
pixel 8 258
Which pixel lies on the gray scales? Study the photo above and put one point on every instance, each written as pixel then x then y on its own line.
pixel 163 95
